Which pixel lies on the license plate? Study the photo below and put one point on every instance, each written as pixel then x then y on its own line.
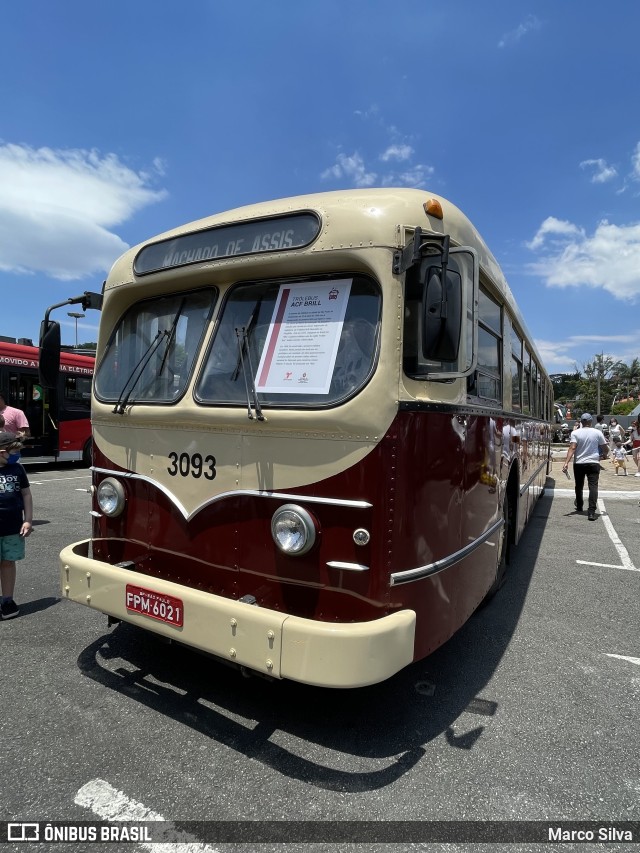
pixel 164 608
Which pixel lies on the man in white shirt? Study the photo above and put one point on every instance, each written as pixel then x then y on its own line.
pixel 584 449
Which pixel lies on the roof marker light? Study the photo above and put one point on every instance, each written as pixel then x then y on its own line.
pixel 433 208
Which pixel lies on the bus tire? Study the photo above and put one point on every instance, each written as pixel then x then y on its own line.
pixel 87 453
pixel 504 547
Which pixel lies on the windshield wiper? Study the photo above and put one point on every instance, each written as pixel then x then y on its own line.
pixel 243 342
pixel 137 372
pixel 171 335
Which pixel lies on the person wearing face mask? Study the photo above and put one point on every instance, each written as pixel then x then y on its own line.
pixel 616 434
pixel 16 519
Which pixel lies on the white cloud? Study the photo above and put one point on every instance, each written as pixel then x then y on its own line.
pixel 555 356
pixel 58 209
pixel 414 176
pixel 350 168
pixel 393 167
pixel 608 259
pixel 604 339
pixel 354 170
pixel 528 25
pixel 553 227
pixel 563 356
pixel 397 152
pixel 635 162
pixel 602 171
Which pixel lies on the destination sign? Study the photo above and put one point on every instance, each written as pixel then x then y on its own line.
pixel 258 236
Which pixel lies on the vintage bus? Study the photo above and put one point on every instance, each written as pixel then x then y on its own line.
pixel 59 417
pixel 319 426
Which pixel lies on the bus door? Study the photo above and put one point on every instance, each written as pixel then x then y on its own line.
pixel 27 394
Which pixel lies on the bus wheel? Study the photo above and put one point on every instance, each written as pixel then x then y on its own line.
pixel 87 454
pixel 504 543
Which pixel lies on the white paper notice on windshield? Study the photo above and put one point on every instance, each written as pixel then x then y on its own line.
pixel 302 342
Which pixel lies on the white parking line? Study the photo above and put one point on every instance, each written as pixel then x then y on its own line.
pixel 624 657
pixel 617 543
pixel 627 565
pixel 110 804
pixel 598 565
pixel 551 492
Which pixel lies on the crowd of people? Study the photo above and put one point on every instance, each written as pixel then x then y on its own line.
pixel 588 448
pixel 621 445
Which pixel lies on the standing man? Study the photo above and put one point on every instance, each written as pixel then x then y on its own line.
pixel 15 420
pixel 600 427
pixel 584 449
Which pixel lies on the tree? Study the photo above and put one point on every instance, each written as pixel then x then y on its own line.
pixel 566 386
pixel 598 374
pixel 629 375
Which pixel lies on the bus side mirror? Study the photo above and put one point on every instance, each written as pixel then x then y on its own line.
pixel 442 317
pixel 49 366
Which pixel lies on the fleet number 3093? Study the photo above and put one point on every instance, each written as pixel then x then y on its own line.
pixel 185 464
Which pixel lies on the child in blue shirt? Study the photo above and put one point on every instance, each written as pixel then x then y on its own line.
pixel 16 516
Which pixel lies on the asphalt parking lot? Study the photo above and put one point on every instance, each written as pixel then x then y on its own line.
pixel 528 714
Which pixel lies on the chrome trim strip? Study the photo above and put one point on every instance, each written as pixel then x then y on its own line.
pixel 410 575
pixel 527 485
pixel 347 567
pixel 130 475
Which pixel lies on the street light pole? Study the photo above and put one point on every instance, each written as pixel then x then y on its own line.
pixel 76 317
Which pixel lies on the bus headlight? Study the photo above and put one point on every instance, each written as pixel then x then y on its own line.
pixel 293 529
pixel 111 498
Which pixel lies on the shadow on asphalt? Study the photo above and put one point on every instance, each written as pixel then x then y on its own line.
pixel 30 607
pixel 389 722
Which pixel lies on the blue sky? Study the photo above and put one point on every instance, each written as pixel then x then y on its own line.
pixel 119 120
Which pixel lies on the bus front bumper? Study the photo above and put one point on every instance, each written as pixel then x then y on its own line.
pixel 267 641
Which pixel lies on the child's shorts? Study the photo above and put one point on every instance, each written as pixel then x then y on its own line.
pixel 12 547
pixel 619 463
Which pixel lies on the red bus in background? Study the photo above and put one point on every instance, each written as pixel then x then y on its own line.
pixel 59 418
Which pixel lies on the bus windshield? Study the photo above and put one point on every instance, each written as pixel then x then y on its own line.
pixel 151 353
pixel 310 343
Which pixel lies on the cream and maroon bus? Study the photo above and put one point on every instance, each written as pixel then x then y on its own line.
pixel 319 425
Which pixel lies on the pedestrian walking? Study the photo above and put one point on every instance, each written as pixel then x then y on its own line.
pixel 584 449
pixel 16 519
pixel 634 438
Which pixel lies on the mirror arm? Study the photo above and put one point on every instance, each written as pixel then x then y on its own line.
pixel 444 263
pixel 87 300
